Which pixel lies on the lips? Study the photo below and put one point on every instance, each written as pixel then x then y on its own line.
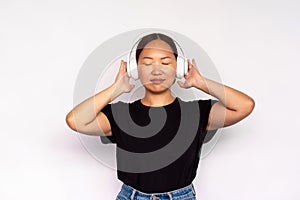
pixel 157 81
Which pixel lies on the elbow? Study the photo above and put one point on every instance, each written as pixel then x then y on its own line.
pixel 249 106
pixel 70 121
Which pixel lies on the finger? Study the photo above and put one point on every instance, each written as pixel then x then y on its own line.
pixel 189 68
pixel 189 63
pixel 125 66
pixel 197 68
pixel 132 86
pixel 180 83
pixel 121 65
pixel 194 62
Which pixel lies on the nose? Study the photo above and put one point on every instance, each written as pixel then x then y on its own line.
pixel 156 69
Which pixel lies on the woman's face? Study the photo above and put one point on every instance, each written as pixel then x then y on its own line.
pixel 157 66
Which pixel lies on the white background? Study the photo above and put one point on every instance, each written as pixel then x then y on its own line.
pixel 43 44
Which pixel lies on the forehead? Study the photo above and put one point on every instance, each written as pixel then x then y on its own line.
pixel 158 47
pixel 160 44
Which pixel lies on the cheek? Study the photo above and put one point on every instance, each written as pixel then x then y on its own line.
pixel 171 71
pixel 142 72
pixel 168 71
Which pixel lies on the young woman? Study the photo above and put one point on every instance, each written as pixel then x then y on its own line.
pixel 156 57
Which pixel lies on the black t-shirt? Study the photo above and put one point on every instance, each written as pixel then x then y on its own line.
pixel 158 148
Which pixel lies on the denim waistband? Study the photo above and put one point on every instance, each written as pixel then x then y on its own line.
pixel 135 194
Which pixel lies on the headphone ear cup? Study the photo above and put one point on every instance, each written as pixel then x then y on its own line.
pixel 132 67
pixel 185 66
pixel 134 70
pixel 128 70
pixel 182 67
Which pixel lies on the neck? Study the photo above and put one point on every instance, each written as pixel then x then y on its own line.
pixel 151 99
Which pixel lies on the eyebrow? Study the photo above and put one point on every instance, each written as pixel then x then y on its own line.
pixel 146 57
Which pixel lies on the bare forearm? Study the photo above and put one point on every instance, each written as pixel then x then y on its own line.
pixel 88 110
pixel 229 97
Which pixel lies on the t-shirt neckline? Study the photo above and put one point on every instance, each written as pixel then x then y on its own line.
pixel 164 106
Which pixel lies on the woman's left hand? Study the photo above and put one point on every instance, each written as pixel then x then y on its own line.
pixel 192 77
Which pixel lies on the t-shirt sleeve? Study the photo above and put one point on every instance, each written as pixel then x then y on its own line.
pixel 205 107
pixel 108 113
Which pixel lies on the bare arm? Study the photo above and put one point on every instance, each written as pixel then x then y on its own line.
pixel 233 105
pixel 87 116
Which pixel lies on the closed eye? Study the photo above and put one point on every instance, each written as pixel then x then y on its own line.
pixel 166 60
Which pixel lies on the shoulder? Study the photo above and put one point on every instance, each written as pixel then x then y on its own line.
pixel 130 102
pixel 198 100
pixel 204 105
pixel 121 105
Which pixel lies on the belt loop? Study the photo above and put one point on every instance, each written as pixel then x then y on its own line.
pixel 132 195
pixel 194 191
pixel 169 195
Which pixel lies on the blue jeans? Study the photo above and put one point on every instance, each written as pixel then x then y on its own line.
pixel 129 193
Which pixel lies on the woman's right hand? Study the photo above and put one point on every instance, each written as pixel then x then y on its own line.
pixel 122 79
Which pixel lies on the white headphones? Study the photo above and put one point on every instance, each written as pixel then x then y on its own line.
pixel 132 71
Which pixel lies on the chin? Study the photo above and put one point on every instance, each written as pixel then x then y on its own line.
pixel 156 88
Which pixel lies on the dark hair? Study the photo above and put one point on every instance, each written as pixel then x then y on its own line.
pixel 154 36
